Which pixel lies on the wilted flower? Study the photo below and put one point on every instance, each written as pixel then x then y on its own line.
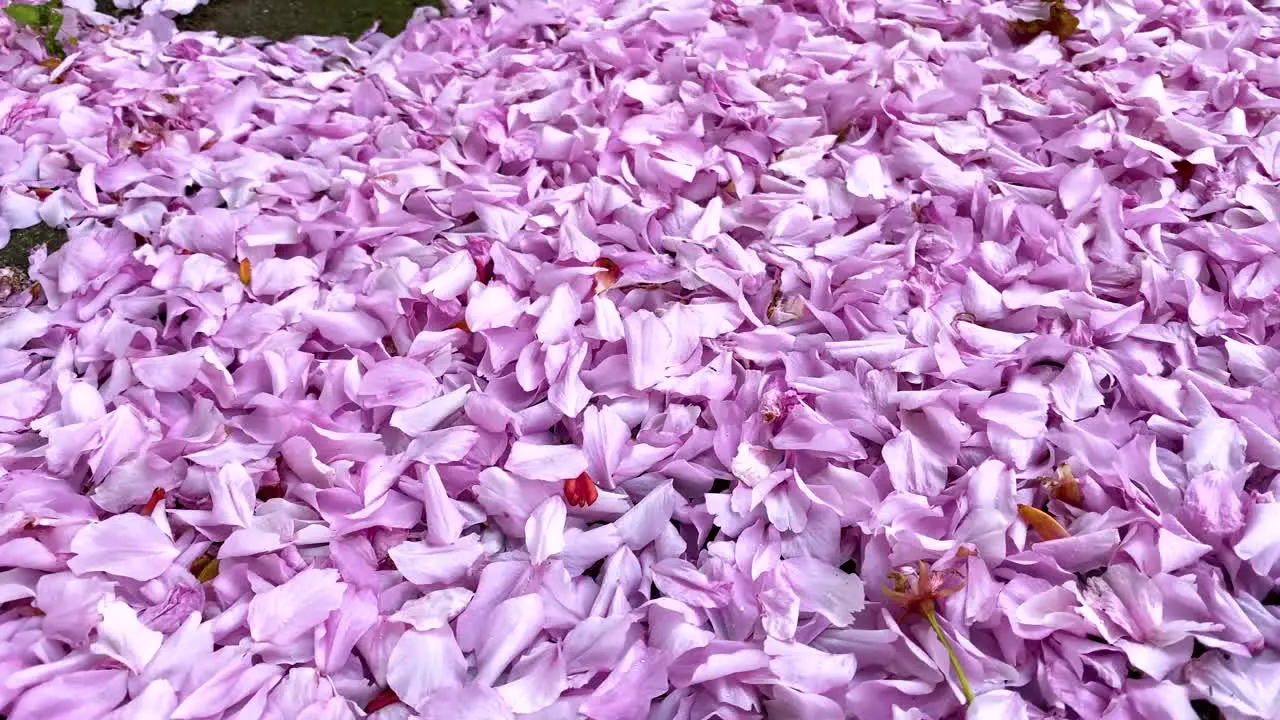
pixel 1061 23
pixel 918 590
pixel 1064 487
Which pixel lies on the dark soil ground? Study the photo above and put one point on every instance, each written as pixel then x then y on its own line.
pixel 272 19
pixel 285 19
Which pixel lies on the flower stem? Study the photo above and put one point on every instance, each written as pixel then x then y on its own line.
pixel 951 653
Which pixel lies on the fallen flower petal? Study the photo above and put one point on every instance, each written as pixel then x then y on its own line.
pixel 588 359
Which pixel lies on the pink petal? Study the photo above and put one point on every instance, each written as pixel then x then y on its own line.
pixel 444 520
pixel 1212 505
pixel 1075 392
pixel 435 609
pixel 649 343
pixel 90 693
pixel 450 277
pixel 605 437
pixel 286 611
pixel 540 686
pixel 559 316
pixel 466 703
pixel 423 565
pixel 424 662
pixel 1080 186
pixel 824 589
pixel 544 530
pixel 126 545
pixel 549 463
pixel 512 628
pixel 352 328
pixel 169 373
pixel 123 637
pixel 266 230
pixel 397 382
pixel 682 581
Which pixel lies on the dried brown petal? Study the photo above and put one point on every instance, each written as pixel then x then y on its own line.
pixel 1065 488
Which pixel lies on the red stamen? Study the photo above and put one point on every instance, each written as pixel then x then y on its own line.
pixel 157 496
pixel 270 492
pixel 484 270
pixel 580 491
pixel 383 699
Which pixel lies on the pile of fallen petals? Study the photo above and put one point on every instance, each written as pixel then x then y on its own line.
pixel 679 360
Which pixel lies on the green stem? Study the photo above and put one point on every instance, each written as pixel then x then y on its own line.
pixel 951 653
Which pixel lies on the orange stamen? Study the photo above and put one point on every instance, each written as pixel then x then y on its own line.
pixel 1043 523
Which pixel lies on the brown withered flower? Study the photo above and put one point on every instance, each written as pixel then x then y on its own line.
pixel 1064 487
pixel 205 567
pixel 1061 23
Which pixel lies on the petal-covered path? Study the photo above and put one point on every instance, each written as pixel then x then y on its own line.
pixel 679 360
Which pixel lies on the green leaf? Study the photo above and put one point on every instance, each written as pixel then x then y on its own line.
pixel 54 24
pixel 24 14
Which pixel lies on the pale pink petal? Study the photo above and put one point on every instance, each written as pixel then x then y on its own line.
pixel 423 662
pixel 126 545
pixel 444 520
pixel 649 344
pixel 544 530
pixel 511 629
pixel 605 437
pixel 545 462
pixel 679 579
pixel 123 637
pixel 169 373
pixel 287 611
pixel 397 382
pixel 474 702
pixel 824 589
pixel 558 317
pixel 541 684
pixel 424 565
pixel 450 277
pixel 435 609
